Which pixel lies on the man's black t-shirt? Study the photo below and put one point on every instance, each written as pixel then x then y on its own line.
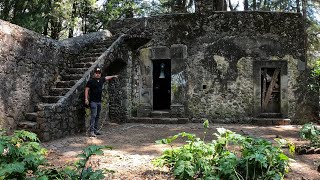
pixel 95 89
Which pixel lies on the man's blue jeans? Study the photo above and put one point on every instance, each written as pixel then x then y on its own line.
pixel 95 108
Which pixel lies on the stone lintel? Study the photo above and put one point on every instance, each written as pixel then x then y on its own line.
pixel 160 52
pixel 178 51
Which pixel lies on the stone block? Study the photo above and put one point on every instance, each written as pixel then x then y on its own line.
pixel 177 111
pixel 178 51
pixel 144 110
pixel 160 52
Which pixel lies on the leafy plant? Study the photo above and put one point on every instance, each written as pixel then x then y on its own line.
pixel 21 157
pixel 20 154
pixel 310 132
pixel 230 156
pixel 80 170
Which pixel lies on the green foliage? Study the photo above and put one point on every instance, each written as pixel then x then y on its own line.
pixel 21 157
pixel 310 132
pixel 79 170
pixel 230 156
pixel 19 154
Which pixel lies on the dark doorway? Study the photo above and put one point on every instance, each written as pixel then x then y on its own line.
pixel 270 91
pixel 161 84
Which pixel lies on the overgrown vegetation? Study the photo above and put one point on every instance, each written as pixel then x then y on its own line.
pixel 310 132
pixel 22 157
pixel 230 156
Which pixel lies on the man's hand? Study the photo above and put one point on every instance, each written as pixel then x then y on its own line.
pixel 111 77
pixel 87 102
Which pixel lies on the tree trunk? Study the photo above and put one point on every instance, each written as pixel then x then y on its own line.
pixel 254 4
pixel 298 6
pixel 55 28
pixel 305 21
pixel 47 19
pixel 231 7
pixel 220 5
pixel 6 10
pixel 73 15
pixel 246 5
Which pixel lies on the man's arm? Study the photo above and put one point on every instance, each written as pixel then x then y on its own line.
pixel 86 95
pixel 111 77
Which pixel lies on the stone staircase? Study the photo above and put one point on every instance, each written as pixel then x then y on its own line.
pixel 66 80
pixel 159 117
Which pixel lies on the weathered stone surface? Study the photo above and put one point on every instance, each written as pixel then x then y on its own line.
pixel 144 110
pixel 160 53
pixel 31 64
pixel 213 57
pixel 213 64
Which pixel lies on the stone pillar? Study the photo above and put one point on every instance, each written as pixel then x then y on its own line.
pixel 178 54
pixel 144 108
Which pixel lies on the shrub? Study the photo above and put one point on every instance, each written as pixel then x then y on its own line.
pixel 230 156
pixel 20 154
pixel 21 157
pixel 310 132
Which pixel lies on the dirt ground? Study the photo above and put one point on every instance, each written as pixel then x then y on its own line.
pixel 134 147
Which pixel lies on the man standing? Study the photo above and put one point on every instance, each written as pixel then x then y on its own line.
pixel 93 97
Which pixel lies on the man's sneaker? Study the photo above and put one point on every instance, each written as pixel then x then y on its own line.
pixel 98 133
pixel 92 134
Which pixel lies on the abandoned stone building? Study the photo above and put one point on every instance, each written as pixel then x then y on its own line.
pixel 230 67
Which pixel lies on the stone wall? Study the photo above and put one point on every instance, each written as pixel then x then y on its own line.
pixel 29 64
pixel 218 68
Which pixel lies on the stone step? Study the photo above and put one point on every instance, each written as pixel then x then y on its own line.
pixel 76 70
pixel 101 45
pixel 270 121
pixel 87 54
pixel 70 77
pixel 160 114
pixel 40 105
pixel 149 120
pixel 82 65
pixel 32 117
pixel 65 84
pixel 97 49
pixel 28 126
pixel 270 115
pixel 105 43
pixel 87 60
pixel 51 99
pixel 58 91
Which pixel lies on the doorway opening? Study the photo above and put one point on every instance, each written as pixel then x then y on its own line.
pixel 161 84
pixel 270 92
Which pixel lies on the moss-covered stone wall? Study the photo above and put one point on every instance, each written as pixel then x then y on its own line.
pixel 218 67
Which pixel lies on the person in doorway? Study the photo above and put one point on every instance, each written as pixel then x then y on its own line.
pixel 93 97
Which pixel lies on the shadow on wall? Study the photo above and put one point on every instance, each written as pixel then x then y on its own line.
pixel 307 108
pixel 117 91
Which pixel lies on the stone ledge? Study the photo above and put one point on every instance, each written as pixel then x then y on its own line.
pixel 160 114
pixel 270 121
pixel 148 120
